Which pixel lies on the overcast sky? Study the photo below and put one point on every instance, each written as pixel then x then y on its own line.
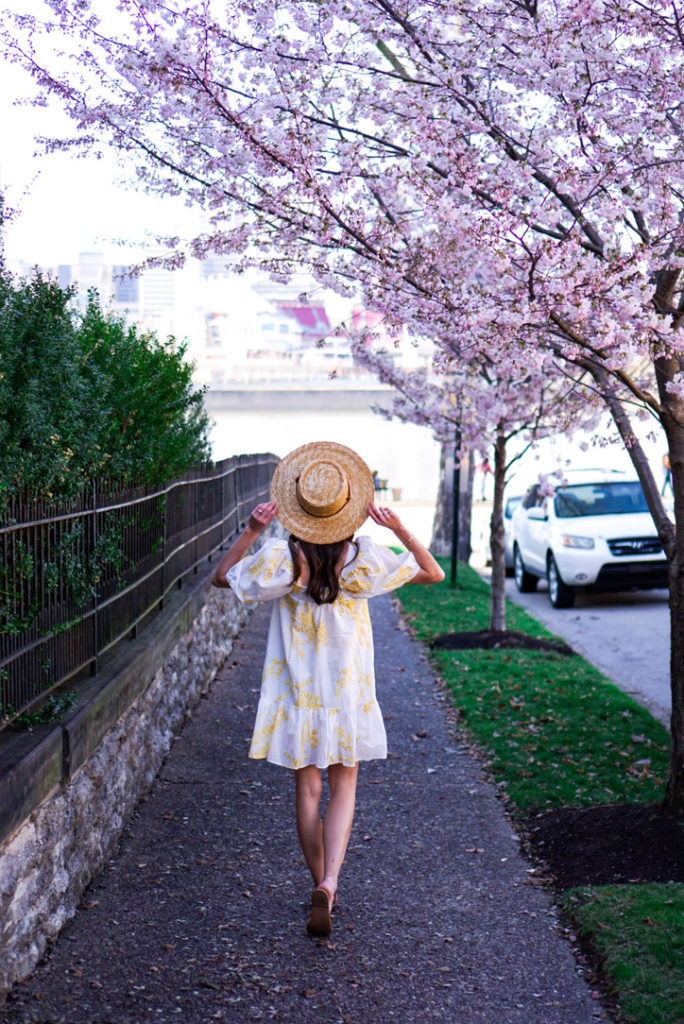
pixel 64 205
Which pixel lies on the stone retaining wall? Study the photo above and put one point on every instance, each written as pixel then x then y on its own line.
pixel 67 789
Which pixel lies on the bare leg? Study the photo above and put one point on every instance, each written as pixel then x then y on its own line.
pixel 308 787
pixel 338 822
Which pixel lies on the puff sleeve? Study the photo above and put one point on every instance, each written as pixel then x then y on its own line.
pixel 263 576
pixel 377 570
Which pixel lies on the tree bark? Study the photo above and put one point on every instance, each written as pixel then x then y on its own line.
pixel 672 419
pixel 465 507
pixel 497 617
pixel 674 790
pixel 442 529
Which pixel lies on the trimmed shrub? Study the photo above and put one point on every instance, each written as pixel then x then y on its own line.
pixel 83 395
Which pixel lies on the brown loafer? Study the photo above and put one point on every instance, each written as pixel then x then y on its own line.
pixel 319 919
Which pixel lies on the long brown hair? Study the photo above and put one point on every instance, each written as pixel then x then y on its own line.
pixel 322 559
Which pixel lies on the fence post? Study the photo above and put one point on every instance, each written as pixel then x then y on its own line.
pixel 163 550
pixel 195 506
pixel 96 633
pixel 224 500
pixel 238 495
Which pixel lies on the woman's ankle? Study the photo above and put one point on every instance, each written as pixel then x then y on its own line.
pixel 329 885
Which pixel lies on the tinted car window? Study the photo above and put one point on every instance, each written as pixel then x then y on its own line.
pixel 599 499
pixel 530 498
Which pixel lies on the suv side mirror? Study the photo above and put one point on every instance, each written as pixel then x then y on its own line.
pixel 536 513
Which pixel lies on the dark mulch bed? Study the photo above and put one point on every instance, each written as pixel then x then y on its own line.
pixel 488 639
pixel 609 844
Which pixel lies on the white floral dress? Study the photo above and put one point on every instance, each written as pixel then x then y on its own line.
pixel 317 703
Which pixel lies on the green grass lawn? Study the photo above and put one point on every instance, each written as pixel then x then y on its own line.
pixel 638 932
pixel 557 732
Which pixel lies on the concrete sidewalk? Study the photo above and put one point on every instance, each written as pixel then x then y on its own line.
pixel 200 917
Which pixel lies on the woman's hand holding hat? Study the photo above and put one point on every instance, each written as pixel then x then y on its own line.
pixel 262 516
pixel 259 519
pixel 429 570
pixel 384 516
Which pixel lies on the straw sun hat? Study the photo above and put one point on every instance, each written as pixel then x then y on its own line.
pixel 322 491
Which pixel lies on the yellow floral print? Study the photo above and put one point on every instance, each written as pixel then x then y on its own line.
pixel 275 667
pixel 266 567
pixel 261 738
pixel 304 630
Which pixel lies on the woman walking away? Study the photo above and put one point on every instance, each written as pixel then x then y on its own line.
pixel 317 707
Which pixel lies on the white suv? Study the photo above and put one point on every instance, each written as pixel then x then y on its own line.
pixel 593 531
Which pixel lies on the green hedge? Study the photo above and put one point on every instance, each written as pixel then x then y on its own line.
pixel 84 396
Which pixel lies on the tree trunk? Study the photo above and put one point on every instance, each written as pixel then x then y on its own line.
pixel 638 457
pixel 672 539
pixel 674 791
pixel 465 506
pixel 442 530
pixel 497 618
pixel 672 418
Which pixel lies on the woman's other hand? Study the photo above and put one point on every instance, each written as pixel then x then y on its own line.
pixel 262 516
pixel 384 516
pixel 429 570
pixel 259 519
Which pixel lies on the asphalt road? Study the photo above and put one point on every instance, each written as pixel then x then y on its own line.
pixel 625 635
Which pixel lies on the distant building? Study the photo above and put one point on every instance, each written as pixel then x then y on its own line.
pixel 64 275
pixel 308 322
pixel 126 287
pixel 158 292
pixel 215 266
pixel 94 272
pixel 239 328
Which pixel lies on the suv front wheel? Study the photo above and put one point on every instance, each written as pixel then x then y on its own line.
pixel 560 594
pixel 525 581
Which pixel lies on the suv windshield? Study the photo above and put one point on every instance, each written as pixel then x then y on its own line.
pixel 599 499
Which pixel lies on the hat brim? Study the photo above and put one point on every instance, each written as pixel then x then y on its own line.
pixel 329 529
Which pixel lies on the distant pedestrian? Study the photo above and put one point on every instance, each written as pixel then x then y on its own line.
pixel 379 485
pixel 318 707
pixel 667 478
pixel 485 468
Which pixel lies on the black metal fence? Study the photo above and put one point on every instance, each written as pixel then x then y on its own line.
pixel 75 580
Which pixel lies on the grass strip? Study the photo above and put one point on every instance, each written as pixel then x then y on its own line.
pixel 555 730
pixel 637 931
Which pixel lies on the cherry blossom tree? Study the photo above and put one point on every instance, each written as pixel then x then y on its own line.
pixel 480 406
pixel 505 176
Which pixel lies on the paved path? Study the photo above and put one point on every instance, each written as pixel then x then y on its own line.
pixel 626 635
pixel 200 916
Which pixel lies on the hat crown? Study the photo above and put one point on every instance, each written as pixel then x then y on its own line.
pixel 322 488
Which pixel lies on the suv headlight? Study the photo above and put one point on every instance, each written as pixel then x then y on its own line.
pixel 568 541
